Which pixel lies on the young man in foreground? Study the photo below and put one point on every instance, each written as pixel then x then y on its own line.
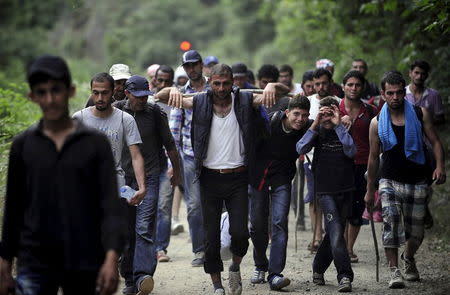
pixel 63 219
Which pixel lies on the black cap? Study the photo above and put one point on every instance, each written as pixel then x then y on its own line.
pixel 53 66
pixel 138 86
pixel 239 70
pixel 191 56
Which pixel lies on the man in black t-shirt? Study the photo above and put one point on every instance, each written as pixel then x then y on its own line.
pixel 403 186
pixel 274 172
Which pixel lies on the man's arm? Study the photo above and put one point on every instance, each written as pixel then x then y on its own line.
pixel 138 166
pixel 108 276
pixel 439 173
pixel 271 94
pixel 373 163
pixel 174 98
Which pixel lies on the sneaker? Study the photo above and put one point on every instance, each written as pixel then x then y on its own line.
pixel 345 285
pixel 318 279
pixel 235 282
pixel 259 277
pixel 199 259
pixel 219 291
pixel 410 270
pixel 146 285
pixel 278 282
pixel 162 256
pixel 176 227
pixel 396 281
pixel 129 290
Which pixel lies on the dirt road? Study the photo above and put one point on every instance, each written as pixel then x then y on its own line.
pixel 178 277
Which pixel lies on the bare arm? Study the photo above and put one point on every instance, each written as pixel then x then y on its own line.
pixel 373 163
pixel 139 172
pixel 271 94
pixel 174 98
pixel 108 276
pixel 174 157
pixel 439 173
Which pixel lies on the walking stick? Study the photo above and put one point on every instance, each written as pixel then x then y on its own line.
pixel 300 187
pixel 255 91
pixel 374 235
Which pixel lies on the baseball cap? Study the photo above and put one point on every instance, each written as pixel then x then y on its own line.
pixel 324 63
pixel 53 66
pixel 239 70
pixel 191 56
pixel 211 59
pixel 138 86
pixel 120 71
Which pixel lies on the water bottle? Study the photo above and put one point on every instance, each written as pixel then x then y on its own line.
pixel 126 192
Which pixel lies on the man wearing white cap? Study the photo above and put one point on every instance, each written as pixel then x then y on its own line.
pixel 327 64
pixel 151 72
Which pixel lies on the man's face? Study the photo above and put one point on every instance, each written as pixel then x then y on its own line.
pixel 101 95
pixel 394 95
pixel 297 118
pixel 221 86
pixel 163 80
pixel 285 78
pixel 353 89
pixel 194 70
pixel 239 81
pixel 53 99
pixel 360 67
pixel 264 81
pixel 308 88
pixel 322 86
pixel 119 89
pixel 418 76
pixel 137 103
pixel 182 81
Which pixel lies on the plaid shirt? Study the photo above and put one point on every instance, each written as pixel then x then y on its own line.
pixel 180 124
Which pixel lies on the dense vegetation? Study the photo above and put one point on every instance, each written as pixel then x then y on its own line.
pixel 92 35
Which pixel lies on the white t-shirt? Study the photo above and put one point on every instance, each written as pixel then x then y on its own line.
pixel 120 127
pixel 226 145
pixel 297 88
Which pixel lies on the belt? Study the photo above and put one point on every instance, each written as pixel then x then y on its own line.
pixel 229 170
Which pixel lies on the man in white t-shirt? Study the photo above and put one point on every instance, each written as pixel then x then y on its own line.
pixel 287 77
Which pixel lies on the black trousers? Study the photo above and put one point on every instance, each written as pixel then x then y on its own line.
pixel 216 190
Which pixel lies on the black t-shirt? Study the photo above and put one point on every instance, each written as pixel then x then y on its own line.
pixel 276 157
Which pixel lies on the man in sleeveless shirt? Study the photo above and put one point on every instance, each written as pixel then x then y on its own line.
pixel 398 133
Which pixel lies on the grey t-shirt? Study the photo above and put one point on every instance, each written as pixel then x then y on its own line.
pixel 119 127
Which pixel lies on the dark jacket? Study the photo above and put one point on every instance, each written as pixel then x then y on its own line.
pixel 247 117
pixel 62 207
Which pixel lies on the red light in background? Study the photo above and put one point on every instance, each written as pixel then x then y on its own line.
pixel 185 45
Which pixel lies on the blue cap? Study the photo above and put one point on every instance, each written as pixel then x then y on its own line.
pixel 211 59
pixel 191 56
pixel 138 86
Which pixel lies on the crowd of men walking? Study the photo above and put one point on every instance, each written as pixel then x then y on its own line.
pixel 233 155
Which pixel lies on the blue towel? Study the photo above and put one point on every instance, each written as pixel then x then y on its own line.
pixel 413 133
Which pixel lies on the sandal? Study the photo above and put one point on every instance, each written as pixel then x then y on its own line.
pixel 353 258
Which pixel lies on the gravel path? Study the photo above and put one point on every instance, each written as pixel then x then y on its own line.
pixel 178 277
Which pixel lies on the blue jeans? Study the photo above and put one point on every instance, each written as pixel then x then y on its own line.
pixel 193 204
pixel 47 280
pixel 164 222
pixel 279 199
pixel 335 210
pixel 139 258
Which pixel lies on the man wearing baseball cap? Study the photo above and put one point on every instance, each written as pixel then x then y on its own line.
pixel 63 220
pixel 180 126
pixel 138 263
pixel 209 62
pixel 120 74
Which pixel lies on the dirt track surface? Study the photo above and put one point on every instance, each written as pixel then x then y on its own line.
pixel 179 277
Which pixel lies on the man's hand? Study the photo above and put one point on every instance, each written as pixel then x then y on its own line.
pixel 7 284
pixel 269 95
pixel 175 98
pixel 108 276
pixel 346 122
pixel 439 175
pixel 336 117
pixel 369 199
pixel 138 197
